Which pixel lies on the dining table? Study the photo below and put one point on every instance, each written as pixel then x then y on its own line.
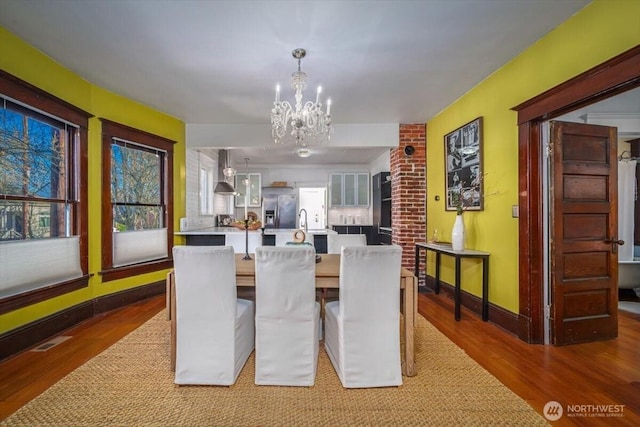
pixel 327 277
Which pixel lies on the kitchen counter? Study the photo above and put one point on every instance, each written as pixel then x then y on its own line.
pixel 213 231
pixel 314 231
pixel 221 231
pixel 219 236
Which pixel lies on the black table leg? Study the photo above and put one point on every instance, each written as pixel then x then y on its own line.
pixel 437 289
pixel 457 291
pixel 485 289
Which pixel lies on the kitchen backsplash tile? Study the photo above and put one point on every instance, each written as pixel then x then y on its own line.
pixel 338 216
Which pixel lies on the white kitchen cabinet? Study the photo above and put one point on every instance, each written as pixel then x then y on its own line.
pixel 336 189
pixel 349 189
pixel 254 191
pixel 350 194
pixel 362 189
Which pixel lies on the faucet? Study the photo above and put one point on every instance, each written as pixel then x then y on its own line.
pixel 306 227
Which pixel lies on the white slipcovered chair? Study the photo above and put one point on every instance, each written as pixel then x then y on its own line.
pixel 237 241
pixel 282 238
pixel 335 242
pixel 287 316
pixel 214 329
pixel 362 329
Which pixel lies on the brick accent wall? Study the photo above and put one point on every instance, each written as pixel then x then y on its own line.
pixel 408 191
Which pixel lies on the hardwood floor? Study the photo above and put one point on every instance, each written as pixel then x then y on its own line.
pixel 26 375
pixel 601 373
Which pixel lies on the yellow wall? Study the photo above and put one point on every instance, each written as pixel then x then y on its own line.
pixel 27 63
pixel 604 29
pixel 600 31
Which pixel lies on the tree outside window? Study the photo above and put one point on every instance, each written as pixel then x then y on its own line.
pixel 36 196
pixel 135 187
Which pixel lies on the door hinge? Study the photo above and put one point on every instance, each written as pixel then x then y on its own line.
pixel 548 149
pixel 547 311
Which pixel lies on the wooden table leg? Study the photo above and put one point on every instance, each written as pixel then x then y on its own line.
pixel 410 310
pixel 168 295
pixel 172 309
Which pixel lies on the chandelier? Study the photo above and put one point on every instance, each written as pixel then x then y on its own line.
pixel 308 121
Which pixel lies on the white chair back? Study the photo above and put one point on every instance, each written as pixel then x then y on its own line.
pixel 362 329
pixel 214 329
pixel 287 316
pixel 335 242
pixel 369 283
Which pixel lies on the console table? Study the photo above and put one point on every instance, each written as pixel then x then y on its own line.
pixel 445 249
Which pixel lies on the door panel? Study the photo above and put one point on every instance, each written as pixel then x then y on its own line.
pixel 587 226
pixel 584 274
pixel 585 188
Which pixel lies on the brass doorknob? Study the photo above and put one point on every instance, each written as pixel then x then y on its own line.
pixel 615 242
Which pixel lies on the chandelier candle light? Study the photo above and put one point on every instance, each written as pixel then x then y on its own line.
pixel 246 257
pixel 307 120
pixel 245 181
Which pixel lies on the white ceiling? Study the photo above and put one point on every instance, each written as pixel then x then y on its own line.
pixel 320 155
pixel 217 62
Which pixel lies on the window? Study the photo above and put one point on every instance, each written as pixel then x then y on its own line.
pixel 206 191
pixel 43 212
pixel 137 215
pixel 34 171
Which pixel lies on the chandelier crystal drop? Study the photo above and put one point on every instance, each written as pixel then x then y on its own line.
pixel 307 121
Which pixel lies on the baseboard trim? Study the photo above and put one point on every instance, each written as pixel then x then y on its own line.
pixel 497 315
pixel 129 296
pixel 27 336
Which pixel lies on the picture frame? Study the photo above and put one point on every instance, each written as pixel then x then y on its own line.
pixel 463 168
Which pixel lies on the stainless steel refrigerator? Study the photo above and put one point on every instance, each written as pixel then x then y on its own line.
pixel 280 210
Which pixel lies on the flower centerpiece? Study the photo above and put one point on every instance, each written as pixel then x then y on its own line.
pixel 252 225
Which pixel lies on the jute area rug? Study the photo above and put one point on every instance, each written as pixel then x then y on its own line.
pixel 130 384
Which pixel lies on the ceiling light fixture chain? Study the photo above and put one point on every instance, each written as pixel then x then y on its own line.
pixel 307 121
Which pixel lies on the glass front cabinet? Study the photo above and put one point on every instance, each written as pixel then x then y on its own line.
pixel 254 194
pixel 349 189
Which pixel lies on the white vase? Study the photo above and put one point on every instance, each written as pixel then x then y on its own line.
pixel 457 234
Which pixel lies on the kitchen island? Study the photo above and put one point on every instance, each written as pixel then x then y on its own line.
pixel 218 236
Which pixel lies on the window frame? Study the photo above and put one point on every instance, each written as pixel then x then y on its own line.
pixel 37 99
pixel 111 130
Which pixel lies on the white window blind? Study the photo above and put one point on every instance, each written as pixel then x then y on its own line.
pixel 130 247
pixel 31 264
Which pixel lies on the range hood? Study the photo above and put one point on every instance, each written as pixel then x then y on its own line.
pixel 223 187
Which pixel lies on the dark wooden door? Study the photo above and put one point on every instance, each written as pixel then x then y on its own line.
pixel 584 227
